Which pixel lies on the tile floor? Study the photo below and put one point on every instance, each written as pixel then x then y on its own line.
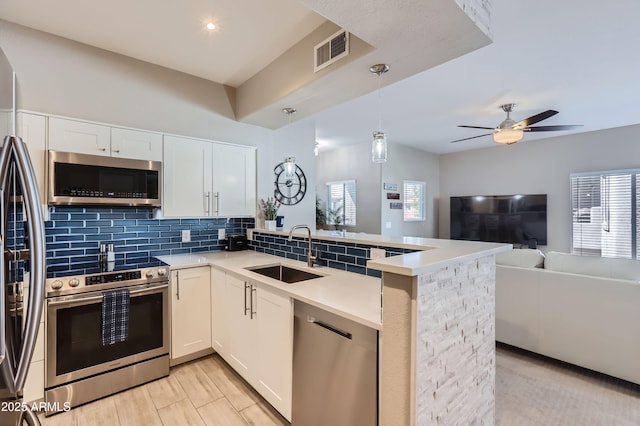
pixel 202 392
pixel 530 391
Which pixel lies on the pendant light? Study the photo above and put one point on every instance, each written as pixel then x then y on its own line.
pixel 379 142
pixel 289 160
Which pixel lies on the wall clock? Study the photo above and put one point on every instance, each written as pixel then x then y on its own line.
pixel 289 190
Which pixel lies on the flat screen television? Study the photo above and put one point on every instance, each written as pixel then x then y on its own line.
pixel 515 219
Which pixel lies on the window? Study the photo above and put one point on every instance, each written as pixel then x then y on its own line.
pixel 605 213
pixel 414 201
pixel 341 204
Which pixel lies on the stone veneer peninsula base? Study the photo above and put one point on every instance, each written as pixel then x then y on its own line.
pixel 437 346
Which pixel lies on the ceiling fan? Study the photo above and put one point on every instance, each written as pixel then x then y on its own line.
pixel 509 132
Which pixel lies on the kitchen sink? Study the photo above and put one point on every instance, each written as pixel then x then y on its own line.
pixel 284 273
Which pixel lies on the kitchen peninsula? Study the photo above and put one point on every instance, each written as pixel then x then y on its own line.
pixel 436 319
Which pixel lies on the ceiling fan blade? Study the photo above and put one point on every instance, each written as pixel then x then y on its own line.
pixel 551 128
pixel 477 127
pixel 472 137
pixel 535 118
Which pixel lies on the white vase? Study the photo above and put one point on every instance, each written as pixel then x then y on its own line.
pixel 270 225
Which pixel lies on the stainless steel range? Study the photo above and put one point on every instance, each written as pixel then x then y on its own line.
pixel 81 365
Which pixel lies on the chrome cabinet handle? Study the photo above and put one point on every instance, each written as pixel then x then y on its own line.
pixel 102 149
pixel 177 285
pixel 117 151
pixel 217 195
pixel 246 286
pixel 252 312
pixel 207 203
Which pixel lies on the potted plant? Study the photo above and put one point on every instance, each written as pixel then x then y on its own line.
pixel 269 208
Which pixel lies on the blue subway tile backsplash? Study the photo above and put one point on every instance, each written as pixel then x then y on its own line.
pixel 74 235
pixel 346 256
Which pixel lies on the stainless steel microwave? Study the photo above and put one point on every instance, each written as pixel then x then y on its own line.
pixel 81 179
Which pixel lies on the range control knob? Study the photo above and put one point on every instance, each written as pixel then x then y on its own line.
pixel 56 285
pixel 149 274
pixel 162 272
pixel 74 282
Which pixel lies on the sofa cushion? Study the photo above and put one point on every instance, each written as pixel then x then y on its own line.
pixel 622 269
pixel 523 258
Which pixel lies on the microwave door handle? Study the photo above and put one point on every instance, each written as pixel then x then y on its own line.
pixel 35 224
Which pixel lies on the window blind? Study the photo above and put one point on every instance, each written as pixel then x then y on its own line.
pixel 604 211
pixel 341 205
pixel 414 200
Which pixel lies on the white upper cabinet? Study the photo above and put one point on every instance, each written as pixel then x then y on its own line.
pixel 208 179
pixel 234 180
pixel 128 143
pixel 32 128
pixel 79 136
pixel 187 178
pixel 97 139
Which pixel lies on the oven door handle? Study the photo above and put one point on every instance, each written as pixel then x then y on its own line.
pixel 81 300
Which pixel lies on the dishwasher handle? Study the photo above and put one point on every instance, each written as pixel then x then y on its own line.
pixel 329 327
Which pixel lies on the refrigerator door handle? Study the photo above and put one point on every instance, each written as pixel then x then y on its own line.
pixel 4 175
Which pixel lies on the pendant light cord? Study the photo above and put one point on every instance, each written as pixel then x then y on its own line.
pixel 379 103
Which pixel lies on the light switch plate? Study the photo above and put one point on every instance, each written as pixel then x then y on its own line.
pixel 186 235
pixel 377 253
pixel 221 234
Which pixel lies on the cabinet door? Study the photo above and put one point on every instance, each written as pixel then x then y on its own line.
pixel 187 178
pixel 219 305
pixel 190 311
pixel 234 180
pixel 275 337
pixel 79 136
pixel 243 344
pixel 128 143
pixel 32 128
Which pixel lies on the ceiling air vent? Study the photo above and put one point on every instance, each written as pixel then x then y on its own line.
pixel 331 50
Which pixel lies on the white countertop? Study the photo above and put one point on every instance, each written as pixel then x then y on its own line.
pixel 433 253
pixel 353 296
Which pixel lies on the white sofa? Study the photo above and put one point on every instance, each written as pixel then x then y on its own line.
pixel 582 310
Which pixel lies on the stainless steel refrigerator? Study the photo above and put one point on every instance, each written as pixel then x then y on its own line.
pixel 22 259
pixel 22 272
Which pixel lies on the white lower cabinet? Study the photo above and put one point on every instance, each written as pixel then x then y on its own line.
pixel 257 330
pixel 219 327
pixel 190 311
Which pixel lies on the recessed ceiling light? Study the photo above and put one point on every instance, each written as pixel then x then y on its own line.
pixel 211 26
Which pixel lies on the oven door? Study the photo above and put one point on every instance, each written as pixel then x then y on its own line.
pixel 74 333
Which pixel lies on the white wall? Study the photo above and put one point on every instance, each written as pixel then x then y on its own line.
pixel 372 207
pixel 533 167
pixel 407 163
pixel 353 162
pixel 296 139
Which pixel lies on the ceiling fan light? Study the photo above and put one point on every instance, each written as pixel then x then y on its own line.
pixel 507 136
pixel 379 147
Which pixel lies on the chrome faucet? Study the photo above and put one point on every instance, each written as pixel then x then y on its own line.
pixel 310 257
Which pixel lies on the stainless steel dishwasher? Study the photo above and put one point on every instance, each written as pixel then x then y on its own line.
pixel 335 370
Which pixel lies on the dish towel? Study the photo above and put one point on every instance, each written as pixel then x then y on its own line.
pixel 115 317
